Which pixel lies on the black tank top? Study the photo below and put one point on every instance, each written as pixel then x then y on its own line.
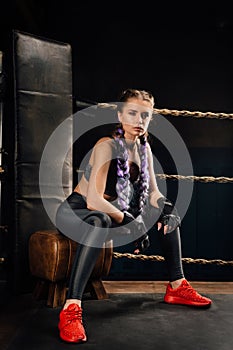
pixel 110 188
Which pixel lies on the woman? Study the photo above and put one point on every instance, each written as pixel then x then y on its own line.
pixel 119 190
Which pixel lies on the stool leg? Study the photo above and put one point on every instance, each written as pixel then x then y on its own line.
pixel 56 294
pixel 97 289
pixel 41 290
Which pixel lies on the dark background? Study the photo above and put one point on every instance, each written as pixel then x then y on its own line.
pixel 183 54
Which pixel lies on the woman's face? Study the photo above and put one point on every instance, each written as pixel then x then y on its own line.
pixel 135 117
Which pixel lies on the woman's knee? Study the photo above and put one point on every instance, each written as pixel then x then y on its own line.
pixel 99 219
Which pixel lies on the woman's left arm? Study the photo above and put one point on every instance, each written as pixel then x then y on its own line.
pixel 154 193
pixel 169 217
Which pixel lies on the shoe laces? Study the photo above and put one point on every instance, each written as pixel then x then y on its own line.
pixel 73 315
pixel 189 292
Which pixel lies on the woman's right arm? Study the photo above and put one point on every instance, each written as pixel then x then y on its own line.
pixel 102 156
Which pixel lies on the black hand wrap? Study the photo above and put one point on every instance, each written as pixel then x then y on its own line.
pixel 127 218
pixel 169 214
pixel 138 229
pixel 142 243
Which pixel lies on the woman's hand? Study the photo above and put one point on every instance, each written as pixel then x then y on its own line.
pixel 127 218
pixel 138 229
pixel 169 218
pixel 142 243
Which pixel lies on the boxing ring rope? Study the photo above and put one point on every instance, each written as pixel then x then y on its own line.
pixel 206 179
pixel 161 258
pixel 179 113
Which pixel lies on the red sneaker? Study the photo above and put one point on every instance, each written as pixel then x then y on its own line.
pixel 185 295
pixel 71 325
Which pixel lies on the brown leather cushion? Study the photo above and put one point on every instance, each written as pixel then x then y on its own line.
pixel 51 256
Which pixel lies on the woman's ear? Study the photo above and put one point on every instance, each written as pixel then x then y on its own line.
pixel 119 115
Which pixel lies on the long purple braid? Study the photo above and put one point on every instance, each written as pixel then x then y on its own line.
pixel 144 174
pixel 123 183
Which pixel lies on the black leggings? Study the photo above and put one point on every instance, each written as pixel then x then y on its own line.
pixel 94 237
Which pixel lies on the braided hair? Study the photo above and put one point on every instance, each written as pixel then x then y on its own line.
pixel 123 188
pixel 143 188
pixel 123 183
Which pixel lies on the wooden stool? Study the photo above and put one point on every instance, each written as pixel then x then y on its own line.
pixel 51 256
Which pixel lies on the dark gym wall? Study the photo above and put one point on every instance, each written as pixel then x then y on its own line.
pixel 184 56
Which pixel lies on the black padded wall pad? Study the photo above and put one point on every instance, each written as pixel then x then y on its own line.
pixel 40 87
